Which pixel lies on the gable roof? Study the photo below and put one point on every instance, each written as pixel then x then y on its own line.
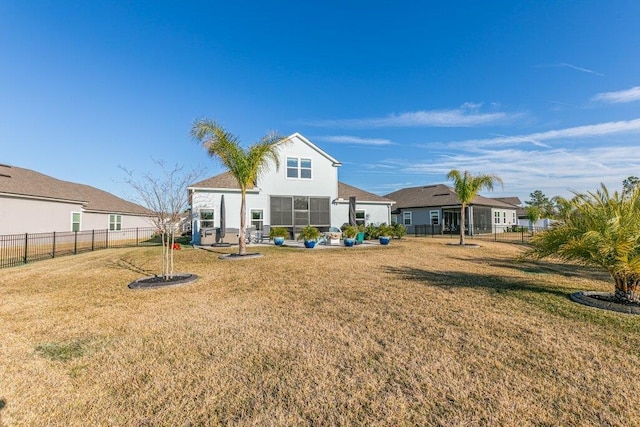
pixel 345 191
pixel 222 181
pixel 436 196
pixel 19 182
pixel 226 181
pixel 313 146
pixel 515 201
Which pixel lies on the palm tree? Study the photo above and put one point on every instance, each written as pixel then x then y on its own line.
pixel 467 187
pixel 601 230
pixel 246 165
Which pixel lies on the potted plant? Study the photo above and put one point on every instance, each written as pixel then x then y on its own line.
pixel 278 234
pixel 385 232
pixel 310 235
pixel 349 235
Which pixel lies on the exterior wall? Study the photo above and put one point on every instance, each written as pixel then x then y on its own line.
pixel 21 215
pixel 419 216
pixel 324 176
pixel 508 218
pixel 207 199
pixel 374 213
pixel 100 221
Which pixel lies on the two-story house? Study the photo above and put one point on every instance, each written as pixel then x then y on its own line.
pixel 304 191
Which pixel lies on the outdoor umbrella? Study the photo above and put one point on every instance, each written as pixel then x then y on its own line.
pixel 352 211
pixel 223 225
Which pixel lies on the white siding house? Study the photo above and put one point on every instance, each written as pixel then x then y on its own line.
pixel 31 202
pixel 304 191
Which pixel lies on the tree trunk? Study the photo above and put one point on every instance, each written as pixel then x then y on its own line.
pixel 462 218
pixel 242 241
pixel 627 289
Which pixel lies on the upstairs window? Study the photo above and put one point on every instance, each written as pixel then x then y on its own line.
pixel 298 168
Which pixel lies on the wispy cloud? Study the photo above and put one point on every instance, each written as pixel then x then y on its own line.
pixel 573 67
pixel 468 115
pixel 588 131
pixel 356 140
pixel 555 171
pixel 628 95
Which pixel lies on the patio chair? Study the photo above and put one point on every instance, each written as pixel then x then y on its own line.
pixel 360 238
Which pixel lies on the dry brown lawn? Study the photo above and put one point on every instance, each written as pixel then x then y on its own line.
pixel 417 333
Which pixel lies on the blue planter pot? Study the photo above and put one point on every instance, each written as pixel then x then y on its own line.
pixel 385 240
pixel 349 241
pixel 310 244
pixel 279 241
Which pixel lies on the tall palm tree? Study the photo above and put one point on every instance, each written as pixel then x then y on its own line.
pixel 467 187
pixel 246 165
pixel 602 230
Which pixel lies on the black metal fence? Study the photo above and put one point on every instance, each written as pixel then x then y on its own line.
pixel 17 249
pixel 499 233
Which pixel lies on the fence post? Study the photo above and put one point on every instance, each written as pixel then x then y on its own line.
pixel 137 241
pixel 53 252
pixel 26 241
pixel 106 239
pixel 75 242
pixel 93 240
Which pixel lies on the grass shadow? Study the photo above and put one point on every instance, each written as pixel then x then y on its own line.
pixel 544 267
pixel 457 279
pixel 129 264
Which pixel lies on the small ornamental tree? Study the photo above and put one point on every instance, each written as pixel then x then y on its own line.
pixel 602 230
pixel 165 197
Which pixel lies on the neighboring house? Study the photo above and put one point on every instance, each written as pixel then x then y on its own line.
pixel 521 214
pixel 435 209
pixel 305 190
pixel 31 202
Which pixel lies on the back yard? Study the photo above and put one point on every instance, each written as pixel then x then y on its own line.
pixel 417 333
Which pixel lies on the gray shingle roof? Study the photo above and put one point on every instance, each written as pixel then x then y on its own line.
pixel 435 196
pixel 25 182
pixel 345 191
pixel 227 181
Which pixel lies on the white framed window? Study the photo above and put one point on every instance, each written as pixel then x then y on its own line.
pixel 361 217
pixel 435 217
pixel 394 218
pixel 513 218
pixel 115 222
pixel 298 168
pixel 75 221
pixel 257 218
pixel 406 218
pixel 206 218
pixel 504 217
pixel 305 168
pixel 496 217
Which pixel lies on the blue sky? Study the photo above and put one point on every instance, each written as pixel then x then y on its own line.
pixel 544 94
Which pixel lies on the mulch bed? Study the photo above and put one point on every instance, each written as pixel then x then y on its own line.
pixel 605 301
pixel 159 281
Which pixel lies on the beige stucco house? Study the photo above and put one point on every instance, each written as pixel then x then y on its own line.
pixel 31 202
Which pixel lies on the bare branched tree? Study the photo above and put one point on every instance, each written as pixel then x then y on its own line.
pixel 165 195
